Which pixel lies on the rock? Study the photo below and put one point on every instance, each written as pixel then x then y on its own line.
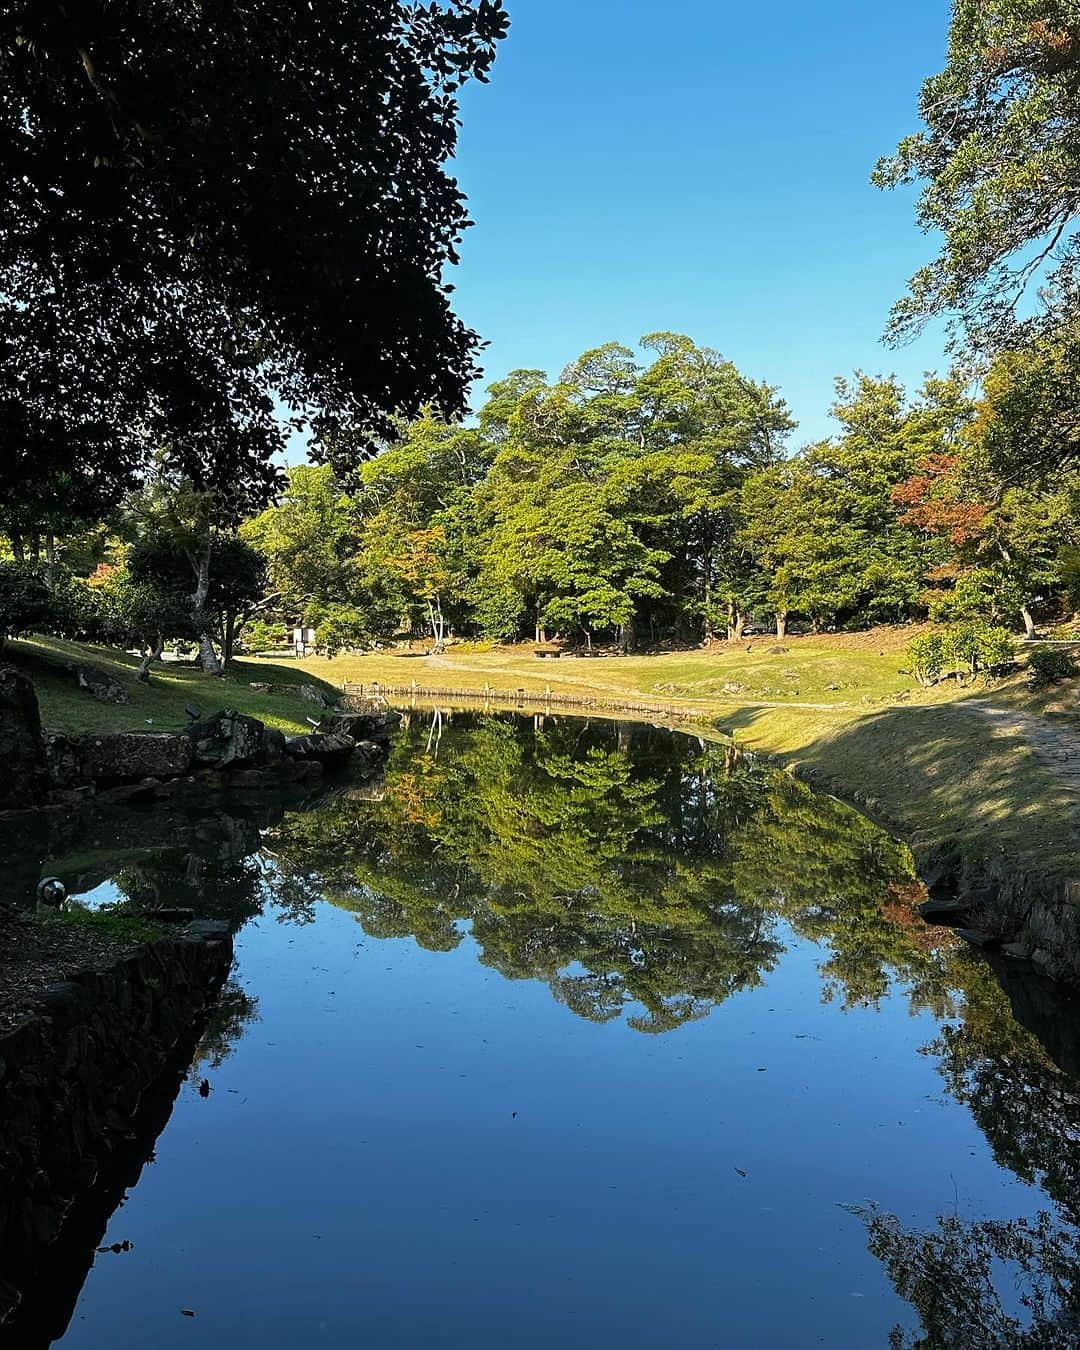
pixel 127 756
pixel 273 746
pixel 228 740
pixel 1016 950
pixel 99 683
pixel 303 771
pixel 64 761
pixel 260 687
pixel 949 912
pixel 334 748
pixel 985 942
pixel 71 797
pixel 371 726
pixel 311 693
pixel 776 651
pixel 258 779
pixel 22 746
pixel 207 930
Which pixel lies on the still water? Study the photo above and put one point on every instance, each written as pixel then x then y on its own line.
pixel 583 1035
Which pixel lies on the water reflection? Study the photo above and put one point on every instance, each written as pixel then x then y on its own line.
pixel 647 878
pixel 637 873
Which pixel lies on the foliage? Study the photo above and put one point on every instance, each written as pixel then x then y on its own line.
pixel 998 160
pixel 966 648
pixel 1051 665
pixel 973 646
pixel 206 209
pixel 926 656
pixel 26 604
pixel 822 527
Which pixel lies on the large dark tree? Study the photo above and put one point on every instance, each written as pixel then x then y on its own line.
pixel 210 210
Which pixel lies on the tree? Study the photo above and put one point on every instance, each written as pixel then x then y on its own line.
pixel 822 526
pixel 25 600
pixel 1004 543
pixel 1030 423
pixel 310 540
pixel 999 161
pixel 228 575
pixel 206 209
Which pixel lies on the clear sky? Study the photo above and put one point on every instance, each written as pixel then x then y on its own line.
pixel 701 166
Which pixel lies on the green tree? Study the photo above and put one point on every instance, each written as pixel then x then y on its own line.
pixel 208 208
pixel 998 160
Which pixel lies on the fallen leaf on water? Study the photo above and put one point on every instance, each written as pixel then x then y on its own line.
pixel 741 1172
pixel 186 1312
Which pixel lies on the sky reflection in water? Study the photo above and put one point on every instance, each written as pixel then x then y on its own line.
pixel 591 1035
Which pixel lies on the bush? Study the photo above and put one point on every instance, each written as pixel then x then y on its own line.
pixel 926 657
pixel 997 650
pixel 25 599
pixel 965 647
pixel 1049 665
pixel 962 645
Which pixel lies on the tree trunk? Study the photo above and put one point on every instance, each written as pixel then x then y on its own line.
pixel 208 657
pixel 781 623
pixel 626 637
pixel 229 643
pixel 154 654
pixel 736 632
pixel 1029 622
pixel 17 548
pixel 35 547
pixel 438 627
pixel 50 559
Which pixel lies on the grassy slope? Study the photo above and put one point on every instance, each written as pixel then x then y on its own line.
pixel 935 770
pixel 160 705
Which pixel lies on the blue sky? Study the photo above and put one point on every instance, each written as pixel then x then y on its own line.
pixel 701 166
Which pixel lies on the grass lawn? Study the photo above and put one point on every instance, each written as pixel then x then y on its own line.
pixel 934 768
pixel 158 706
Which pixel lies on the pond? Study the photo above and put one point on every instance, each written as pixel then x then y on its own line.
pixel 585 1034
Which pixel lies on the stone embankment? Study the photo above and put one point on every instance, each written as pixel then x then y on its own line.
pixel 996 906
pixel 74 1075
pixel 228 749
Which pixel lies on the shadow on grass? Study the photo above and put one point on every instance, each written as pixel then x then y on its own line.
pixel 940 775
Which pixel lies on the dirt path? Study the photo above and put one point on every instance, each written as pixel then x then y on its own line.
pixel 1053 741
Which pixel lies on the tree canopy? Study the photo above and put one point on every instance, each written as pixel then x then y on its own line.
pixel 999 163
pixel 209 210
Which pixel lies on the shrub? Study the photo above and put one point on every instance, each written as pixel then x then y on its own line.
pixel 962 645
pixel 926 657
pixel 25 599
pixel 1049 665
pixel 997 650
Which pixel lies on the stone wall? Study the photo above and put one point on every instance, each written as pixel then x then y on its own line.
pixel 74 1076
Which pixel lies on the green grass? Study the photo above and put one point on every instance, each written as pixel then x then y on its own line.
pixel 158 706
pixel 132 930
pixel 845 672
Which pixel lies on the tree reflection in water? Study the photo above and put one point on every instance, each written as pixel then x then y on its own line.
pixel 637 873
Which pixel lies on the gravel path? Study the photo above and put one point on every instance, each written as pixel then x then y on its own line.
pixel 1053 741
